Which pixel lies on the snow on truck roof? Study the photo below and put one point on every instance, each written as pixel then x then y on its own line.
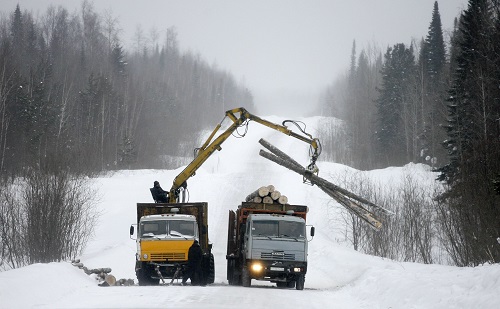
pixel 168 217
pixel 284 216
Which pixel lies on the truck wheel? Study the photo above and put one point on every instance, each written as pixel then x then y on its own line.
pixel 144 278
pixel 299 285
pixel 232 278
pixel 211 270
pixel 246 281
pixel 141 277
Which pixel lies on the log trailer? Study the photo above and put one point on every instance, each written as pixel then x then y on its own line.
pixel 165 231
pixel 267 242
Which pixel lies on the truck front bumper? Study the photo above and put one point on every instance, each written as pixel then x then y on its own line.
pixel 276 271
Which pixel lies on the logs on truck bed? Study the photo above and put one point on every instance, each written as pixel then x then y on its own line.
pixel 261 192
pixel 349 200
pixel 272 196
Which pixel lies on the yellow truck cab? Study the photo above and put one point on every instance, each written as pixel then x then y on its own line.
pixel 165 231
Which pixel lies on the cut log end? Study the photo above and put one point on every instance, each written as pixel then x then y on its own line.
pixel 283 200
pixel 267 200
pixel 275 195
pixel 257 199
pixel 110 280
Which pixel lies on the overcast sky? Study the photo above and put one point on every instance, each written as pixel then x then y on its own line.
pixel 284 51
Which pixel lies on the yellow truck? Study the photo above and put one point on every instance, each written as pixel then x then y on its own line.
pixel 165 231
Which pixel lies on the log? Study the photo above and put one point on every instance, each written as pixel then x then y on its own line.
pixel 275 195
pixel 257 199
pixel 283 200
pixel 267 200
pixel 354 208
pixel 100 270
pixel 271 188
pixel 262 191
pixel 276 151
pixel 110 280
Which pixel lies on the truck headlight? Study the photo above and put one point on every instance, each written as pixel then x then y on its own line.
pixel 257 267
pixel 145 256
pixel 297 269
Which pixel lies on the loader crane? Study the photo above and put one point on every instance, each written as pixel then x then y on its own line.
pixel 239 117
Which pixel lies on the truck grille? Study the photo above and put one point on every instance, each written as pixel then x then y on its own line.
pixel 271 256
pixel 168 256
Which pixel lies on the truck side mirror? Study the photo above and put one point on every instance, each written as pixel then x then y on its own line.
pixel 312 231
pixel 131 230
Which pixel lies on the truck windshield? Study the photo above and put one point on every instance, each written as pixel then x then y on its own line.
pixel 278 229
pixel 171 228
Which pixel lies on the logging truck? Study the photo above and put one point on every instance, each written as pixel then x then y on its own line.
pixel 162 249
pixel 267 242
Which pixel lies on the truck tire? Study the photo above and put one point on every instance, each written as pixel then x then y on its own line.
pixel 299 285
pixel 246 281
pixel 141 278
pixel 144 278
pixel 232 277
pixel 211 270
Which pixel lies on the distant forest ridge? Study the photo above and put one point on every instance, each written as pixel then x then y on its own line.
pixel 72 96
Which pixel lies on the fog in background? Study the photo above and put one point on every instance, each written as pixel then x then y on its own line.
pixel 285 51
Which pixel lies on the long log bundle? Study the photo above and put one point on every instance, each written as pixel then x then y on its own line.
pixel 349 200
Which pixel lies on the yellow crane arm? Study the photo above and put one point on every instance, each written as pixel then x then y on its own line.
pixel 238 116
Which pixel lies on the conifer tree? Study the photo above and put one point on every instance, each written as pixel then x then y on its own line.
pixel 432 63
pixel 433 51
pixel 472 144
pixel 465 93
pixel 397 75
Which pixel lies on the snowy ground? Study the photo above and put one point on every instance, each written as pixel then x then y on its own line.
pixel 338 277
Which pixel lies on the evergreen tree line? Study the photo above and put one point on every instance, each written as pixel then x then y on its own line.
pixel 72 96
pixel 439 104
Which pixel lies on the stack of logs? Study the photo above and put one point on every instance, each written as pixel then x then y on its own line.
pixel 267 195
pixel 103 275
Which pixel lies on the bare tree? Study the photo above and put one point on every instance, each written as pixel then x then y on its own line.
pixel 13 251
pixel 51 219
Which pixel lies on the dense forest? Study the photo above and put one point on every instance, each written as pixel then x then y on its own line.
pixel 75 102
pixel 71 93
pixel 437 102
